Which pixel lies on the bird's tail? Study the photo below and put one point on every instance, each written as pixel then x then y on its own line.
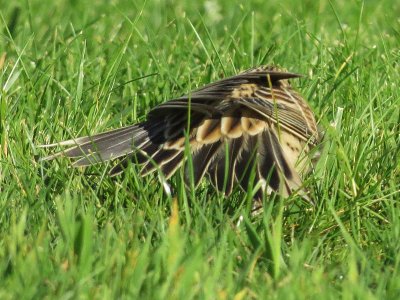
pixel 110 145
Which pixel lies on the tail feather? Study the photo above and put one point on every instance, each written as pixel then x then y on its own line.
pixel 112 144
pixel 109 145
pixel 91 144
pixel 101 155
pixel 90 138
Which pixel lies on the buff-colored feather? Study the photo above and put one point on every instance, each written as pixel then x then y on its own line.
pixel 251 122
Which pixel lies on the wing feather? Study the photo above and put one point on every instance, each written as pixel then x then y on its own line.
pixel 234 127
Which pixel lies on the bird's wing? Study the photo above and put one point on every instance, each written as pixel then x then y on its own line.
pixel 232 126
pixel 285 108
pixel 205 99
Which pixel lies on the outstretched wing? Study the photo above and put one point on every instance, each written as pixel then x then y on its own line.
pixel 251 121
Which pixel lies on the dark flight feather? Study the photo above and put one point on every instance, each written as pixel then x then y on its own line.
pixel 250 122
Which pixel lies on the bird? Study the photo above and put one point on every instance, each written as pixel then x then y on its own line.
pixel 249 128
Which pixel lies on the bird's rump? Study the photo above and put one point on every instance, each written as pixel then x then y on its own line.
pixel 251 122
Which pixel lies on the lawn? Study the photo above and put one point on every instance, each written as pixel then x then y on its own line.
pixel 70 68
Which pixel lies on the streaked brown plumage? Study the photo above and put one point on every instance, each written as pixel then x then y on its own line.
pixel 251 121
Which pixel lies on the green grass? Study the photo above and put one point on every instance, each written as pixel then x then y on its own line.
pixel 73 68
